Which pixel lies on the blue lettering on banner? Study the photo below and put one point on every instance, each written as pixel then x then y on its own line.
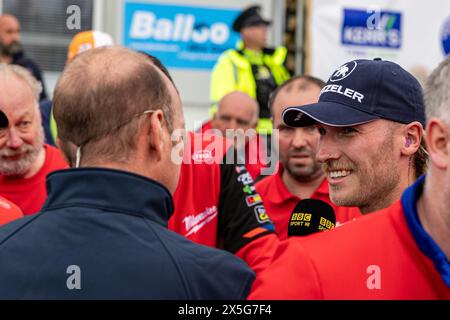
pixel 180 36
pixel 445 36
pixel 373 29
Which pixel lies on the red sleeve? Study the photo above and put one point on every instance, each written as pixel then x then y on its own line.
pixel 290 276
pixel 8 211
pixel 259 253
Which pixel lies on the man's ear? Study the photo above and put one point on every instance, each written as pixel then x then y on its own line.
pixel 412 134
pixel 438 143
pixel 155 133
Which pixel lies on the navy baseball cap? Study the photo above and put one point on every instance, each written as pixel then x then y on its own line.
pixel 361 91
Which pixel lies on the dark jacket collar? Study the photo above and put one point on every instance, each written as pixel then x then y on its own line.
pixel 108 189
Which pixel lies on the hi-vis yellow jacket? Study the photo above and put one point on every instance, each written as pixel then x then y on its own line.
pixel 233 72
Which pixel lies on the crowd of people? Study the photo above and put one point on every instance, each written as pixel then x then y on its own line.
pixel 104 178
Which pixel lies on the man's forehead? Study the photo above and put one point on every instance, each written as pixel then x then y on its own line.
pixel 16 96
pixel 236 111
pixel 9 21
pixel 11 84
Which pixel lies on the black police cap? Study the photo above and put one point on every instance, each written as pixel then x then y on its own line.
pixel 249 17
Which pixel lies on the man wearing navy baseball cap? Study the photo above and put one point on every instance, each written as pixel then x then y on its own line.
pixel 371 118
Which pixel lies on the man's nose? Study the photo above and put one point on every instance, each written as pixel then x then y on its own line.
pixel 328 150
pixel 299 139
pixel 14 140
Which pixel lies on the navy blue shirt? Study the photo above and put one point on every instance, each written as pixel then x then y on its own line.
pixel 111 226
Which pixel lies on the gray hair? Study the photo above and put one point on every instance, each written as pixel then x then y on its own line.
pixel 25 75
pixel 437 92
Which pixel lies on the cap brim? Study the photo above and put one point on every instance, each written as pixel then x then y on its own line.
pixel 327 113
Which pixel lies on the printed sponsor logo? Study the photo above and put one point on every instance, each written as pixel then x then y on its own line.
pixel 372 28
pixel 194 223
pixel 202 156
pixel 249 189
pixel 343 71
pixel 261 214
pixel 240 169
pixel 182 36
pixel 245 179
pixel 252 200
pixel 347 92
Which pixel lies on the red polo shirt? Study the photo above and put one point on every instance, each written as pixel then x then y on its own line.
pixel 383 255
pixel 279 202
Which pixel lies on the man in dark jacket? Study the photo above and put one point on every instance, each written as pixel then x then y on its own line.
pixel 102 231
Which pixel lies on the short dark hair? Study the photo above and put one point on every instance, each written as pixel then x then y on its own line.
pixel 98 93
pixel 308 81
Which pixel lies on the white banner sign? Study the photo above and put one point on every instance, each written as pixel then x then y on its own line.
pixel 412 33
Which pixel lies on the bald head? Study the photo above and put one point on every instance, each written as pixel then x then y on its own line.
pixel 101 91
pixel 9 35
pixel 8 19
pixel 236 110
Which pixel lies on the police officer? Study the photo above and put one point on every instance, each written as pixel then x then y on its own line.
pixel 251 67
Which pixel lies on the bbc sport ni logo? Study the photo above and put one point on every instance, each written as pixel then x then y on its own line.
pixel 372 28
pixel 445 36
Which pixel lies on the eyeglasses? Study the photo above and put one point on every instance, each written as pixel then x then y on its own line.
pixel 4 123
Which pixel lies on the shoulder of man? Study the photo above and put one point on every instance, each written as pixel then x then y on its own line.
pixel 201 265
pixel 333 264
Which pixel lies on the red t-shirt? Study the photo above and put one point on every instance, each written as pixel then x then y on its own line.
pixel 279 202
pixel 30 194
pixel 8 211
pixel 373 257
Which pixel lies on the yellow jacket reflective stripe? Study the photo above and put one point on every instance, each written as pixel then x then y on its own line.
pixel 53 128
pixel 233 71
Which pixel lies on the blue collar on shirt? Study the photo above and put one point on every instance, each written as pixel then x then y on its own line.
pixel 423 239
pixel 109 189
